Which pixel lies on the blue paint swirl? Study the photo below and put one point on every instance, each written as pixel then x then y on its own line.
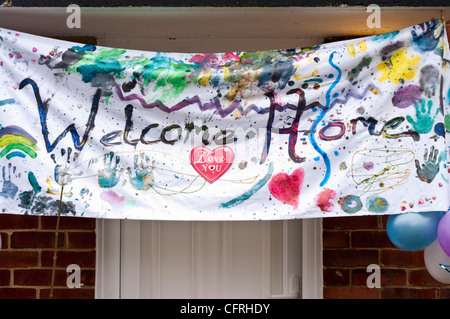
pixel 320 117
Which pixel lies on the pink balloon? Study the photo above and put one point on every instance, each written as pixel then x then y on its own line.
pixel 443 233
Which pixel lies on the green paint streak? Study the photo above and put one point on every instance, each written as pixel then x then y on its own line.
pixel 447 122
pixel 21 147
pixel 365 62
pixel 168 77
pixel 17 139
pixel 34 183
pixel 165 71
pixel 240 199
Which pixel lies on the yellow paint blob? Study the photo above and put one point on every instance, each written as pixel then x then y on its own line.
pixel 352 48
pixel 399 66
pixel 298 77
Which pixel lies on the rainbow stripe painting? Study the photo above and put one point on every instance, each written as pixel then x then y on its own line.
pixel 15 141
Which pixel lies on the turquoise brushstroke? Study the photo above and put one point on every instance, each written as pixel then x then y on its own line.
pixel 7 101
pixel 239 200
pixel 34 183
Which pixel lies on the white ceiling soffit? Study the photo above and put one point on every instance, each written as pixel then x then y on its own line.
pixel 215 23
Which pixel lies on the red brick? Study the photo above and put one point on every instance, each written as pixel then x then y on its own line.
pixel 5 275
pixel 39 277
pixel 388 277
pixel 349 257
pixel 36 239
pixel 352 222
pixel 421 277
pixel 18 259
pixel 371 239
pixel 444 293
pixel 81 240
pixel 336 239
pixel 408 293
pixel 4 237
pixel 336 277
pixel 84 259
pixel 68 293
pixel 17 293
pixel 398 257
pixel 67 222
pixel 350 293
pixel 10 221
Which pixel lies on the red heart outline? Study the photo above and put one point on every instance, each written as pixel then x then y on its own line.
pixel 202 159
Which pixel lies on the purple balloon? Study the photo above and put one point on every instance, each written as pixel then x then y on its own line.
pixel 443 233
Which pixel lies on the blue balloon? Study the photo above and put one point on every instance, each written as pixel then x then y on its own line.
pixel 413 231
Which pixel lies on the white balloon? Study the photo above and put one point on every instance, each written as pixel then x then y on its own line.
pixel 434 257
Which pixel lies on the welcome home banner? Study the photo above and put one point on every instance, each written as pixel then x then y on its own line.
pixel 348 128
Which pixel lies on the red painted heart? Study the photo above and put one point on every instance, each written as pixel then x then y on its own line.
pixel 211 164
pixel 286 188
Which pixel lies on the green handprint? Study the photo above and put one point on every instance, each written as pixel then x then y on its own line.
pixel 110 175
pixel 424 121
pixel 143 178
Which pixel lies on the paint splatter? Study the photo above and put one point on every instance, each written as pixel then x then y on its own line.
pixel 322 200
pixel 286 188
pixel 439 129
pixel 406 96
pixel 429 80
pixel 399 67
pixel 354 73
pixel 117 202
pixel 368 165
pixel 350 204
pixel 376 204
pixel 428 35
pixel 44 205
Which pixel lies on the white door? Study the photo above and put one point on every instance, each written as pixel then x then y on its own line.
pixel 210 259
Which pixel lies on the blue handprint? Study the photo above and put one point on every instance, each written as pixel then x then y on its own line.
pixel 9 189
pixel 424 121
pixel 143 178
pixel 430 168
pixel 109 176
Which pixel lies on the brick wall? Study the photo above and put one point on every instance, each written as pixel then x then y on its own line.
pixel 350 244
pixel 26 257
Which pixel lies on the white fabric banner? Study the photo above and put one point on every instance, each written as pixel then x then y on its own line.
pixel 354 127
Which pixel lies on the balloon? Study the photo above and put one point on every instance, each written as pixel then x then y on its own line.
pixel 443 233
pixel 413 231
pixel 436 260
